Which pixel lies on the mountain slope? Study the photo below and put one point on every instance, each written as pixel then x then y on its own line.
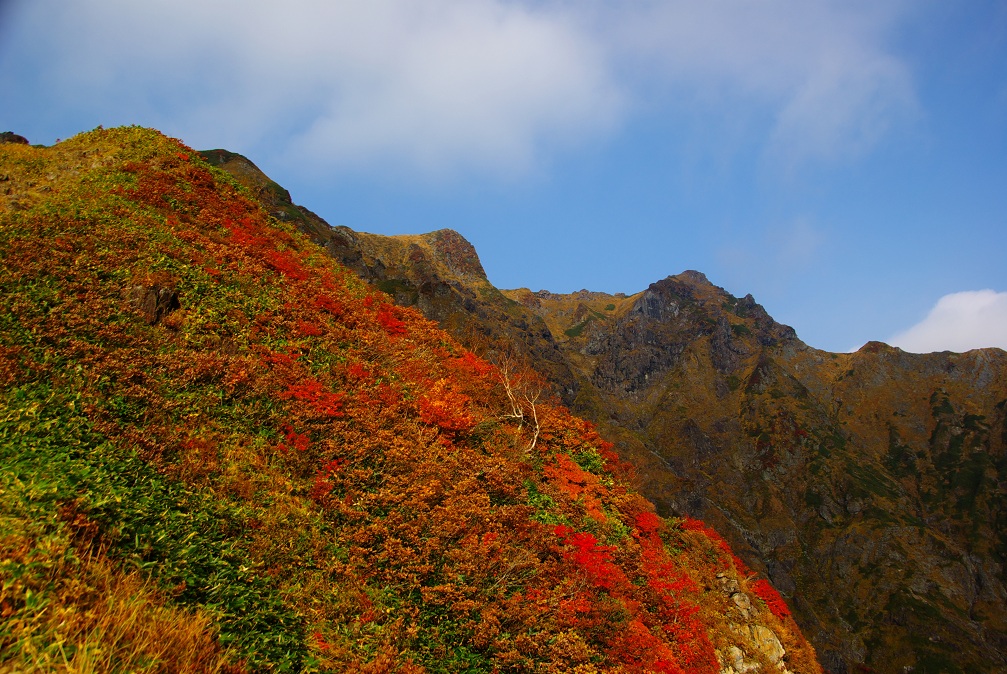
pixel 870 487
pixel 213 433
pixel 438 273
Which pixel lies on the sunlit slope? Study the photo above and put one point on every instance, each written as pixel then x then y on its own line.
pixel 212 433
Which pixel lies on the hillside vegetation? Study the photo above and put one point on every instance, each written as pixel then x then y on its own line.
pixel 222 451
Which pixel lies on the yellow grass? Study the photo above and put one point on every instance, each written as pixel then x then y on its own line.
pixel 78 613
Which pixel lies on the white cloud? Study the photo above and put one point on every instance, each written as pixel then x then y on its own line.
pixel 434 85
pixel 959 322
pixel 821 70
pixel 448 86
pixel 481 83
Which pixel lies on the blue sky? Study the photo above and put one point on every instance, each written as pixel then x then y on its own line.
pixel 843 161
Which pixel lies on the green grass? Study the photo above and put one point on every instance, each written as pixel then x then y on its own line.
pixel 740 330
pixel 185 542
pixel 576 330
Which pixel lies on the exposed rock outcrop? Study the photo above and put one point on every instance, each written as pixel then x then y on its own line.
pixel 154 302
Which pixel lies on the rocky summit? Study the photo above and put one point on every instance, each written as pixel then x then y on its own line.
pixel 870 488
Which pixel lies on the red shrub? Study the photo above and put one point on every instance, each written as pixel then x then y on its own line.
pixel 647 523
pixel 295 440
pixel 329 305
pixel 594 560
pixel 286 264
pixel 390 322
pixel 774 601
pixel 320 400
pixel 309 329
pixel 445 408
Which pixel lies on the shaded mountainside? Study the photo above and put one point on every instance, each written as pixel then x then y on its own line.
pixel 870 487
pixel 223 452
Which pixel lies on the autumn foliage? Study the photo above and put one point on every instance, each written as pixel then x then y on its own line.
pixel 390 495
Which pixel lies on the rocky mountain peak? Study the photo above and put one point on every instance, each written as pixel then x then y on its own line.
pixel 11 137
pixel 693 277
pixel 456 253
pixel 877 347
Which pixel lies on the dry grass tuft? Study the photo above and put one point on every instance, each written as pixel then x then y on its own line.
pixel 61 611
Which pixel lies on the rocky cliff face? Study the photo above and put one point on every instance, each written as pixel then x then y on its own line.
pixel 871 488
